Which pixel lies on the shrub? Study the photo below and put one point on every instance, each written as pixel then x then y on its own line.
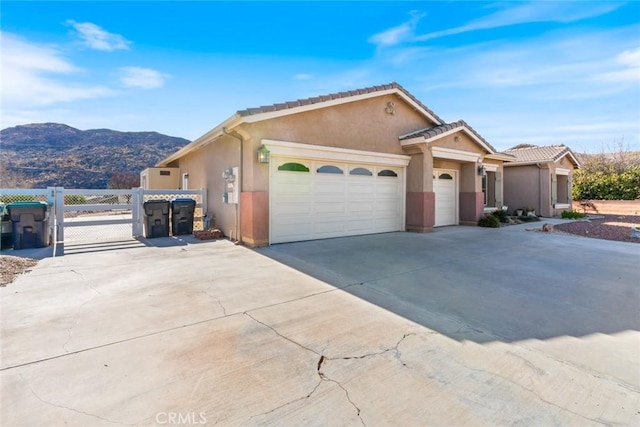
pixel 489 221
pixel 501 215
pixel 607 186
pixel 572 215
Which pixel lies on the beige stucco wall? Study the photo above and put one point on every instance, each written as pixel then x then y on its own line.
pixel 360 125
pixel 151 179
pixel 205 168
pixel 530 186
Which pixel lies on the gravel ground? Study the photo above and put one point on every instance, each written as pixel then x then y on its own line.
pixel 11 266
pixel 608 227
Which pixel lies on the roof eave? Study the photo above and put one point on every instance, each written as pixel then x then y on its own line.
pixel 252 118
pixel 205 139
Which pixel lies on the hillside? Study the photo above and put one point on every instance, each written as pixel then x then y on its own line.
pixel 52 154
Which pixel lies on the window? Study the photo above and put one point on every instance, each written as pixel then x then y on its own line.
pixel 361 171
pixel 330 169
pixel 445 176
pixel 489 189
pixel 293 167
pixel 165 173
pixel 387 172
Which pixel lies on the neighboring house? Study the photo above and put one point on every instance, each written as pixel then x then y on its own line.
pixel 160 178
pixel 540 178
pixel 359 162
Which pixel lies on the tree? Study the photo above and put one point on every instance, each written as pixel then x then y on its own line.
pixel 124 180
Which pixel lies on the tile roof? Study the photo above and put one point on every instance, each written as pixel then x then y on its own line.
pixel 338 95
pixel 439 130
pixel 535 154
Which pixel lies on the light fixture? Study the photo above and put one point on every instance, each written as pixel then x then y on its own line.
pixel 482 171
pixel 263 154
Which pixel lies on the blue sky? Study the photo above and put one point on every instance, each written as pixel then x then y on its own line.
pixel 519 72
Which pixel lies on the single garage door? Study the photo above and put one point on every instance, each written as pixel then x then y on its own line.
pixel 315 199
pixel 446 194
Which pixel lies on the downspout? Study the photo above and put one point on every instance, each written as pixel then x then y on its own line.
pixel 240 183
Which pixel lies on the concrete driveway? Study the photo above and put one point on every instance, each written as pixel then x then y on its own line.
pixel 463 326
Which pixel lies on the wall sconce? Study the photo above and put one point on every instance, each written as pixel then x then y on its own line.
pixel 482 171
pixel 263 154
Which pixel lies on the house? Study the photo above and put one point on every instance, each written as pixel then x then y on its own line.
pixel 365 161
pixel 540 178
pixel 160 178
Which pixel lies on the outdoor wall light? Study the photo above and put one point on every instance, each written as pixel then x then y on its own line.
pixel 263 154
pixel 482 171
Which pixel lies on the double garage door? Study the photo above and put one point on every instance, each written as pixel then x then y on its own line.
pixel 317 199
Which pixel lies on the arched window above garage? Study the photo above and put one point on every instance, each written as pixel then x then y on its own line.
pixel 387 172
pixel 330 169
pixel 293 167
pixel 361 172
pixel 445 176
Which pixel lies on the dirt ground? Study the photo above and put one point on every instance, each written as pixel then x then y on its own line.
pixel 11 266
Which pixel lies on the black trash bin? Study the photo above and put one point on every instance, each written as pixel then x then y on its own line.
pixel 156 218
pixel 29 224
pixel 182 211
pixel 6 239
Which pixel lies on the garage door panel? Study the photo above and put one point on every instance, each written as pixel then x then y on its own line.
pixel 306 206
pixel 445 189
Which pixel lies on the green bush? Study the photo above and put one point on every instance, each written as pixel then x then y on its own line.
pixel 489 221
pixel 623 185
pixel 572 215
pixel 501 215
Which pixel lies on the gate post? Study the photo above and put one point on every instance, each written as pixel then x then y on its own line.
pixel 136 217
pixel 59 213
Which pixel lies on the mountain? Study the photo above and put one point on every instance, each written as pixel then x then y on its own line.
pixel 53 154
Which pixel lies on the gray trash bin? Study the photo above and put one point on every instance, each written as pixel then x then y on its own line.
pixel 6 239
pixel 29 224
pixel 156 218
pixel 182 211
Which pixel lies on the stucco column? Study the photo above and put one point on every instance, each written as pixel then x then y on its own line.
pixel 420 215
pixel 471 198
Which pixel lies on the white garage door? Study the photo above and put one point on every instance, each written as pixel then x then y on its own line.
pixel 446 194
pixel 314 199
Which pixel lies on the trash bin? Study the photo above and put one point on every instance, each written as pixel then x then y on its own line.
pixel 29 224
pixel 6 240
pixel 156 218
pixel 182 211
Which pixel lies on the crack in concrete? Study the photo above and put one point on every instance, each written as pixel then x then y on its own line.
pixel 215 298
pixel 321 361
pixel 46 402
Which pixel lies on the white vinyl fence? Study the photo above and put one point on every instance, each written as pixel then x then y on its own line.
pixel 81 215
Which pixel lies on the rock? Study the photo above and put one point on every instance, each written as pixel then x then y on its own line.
pixel 547 228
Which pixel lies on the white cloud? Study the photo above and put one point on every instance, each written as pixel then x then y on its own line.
pixel 34 75
pixel 303 76
pixel 98 38
pixel 629 71
pixel 536 11
pixel 144 78
pixel 401 33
